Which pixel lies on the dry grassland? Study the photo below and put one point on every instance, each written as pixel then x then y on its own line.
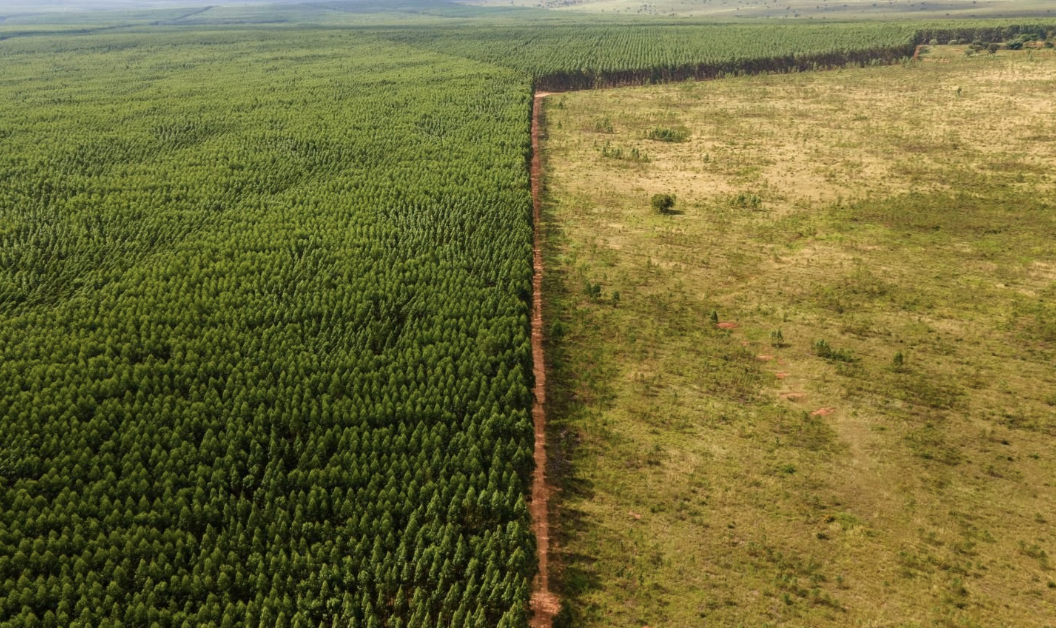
pixel 900 473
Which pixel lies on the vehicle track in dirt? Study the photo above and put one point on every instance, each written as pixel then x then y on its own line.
pixel 544 603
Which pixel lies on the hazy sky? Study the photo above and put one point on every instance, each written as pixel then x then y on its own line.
pixel 11 6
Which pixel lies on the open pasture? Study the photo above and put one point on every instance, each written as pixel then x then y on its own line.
pixel 819 391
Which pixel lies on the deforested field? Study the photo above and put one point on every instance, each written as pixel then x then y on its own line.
pixel 819 390
pixel 265 287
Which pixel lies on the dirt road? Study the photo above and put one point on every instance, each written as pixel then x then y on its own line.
pixel 544 602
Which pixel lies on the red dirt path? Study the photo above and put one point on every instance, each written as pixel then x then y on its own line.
pixel 544 602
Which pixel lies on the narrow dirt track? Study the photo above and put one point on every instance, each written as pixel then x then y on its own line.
pixel 544 602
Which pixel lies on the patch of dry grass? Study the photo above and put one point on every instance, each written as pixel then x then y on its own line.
pixel 895 211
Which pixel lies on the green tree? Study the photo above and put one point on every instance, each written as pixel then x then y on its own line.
pixel 662 203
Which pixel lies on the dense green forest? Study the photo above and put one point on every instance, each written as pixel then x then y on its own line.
pixel 264 334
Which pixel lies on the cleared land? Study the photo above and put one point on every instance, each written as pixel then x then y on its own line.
pixel 901 472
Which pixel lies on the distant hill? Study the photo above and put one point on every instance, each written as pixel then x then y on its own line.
pixel 35 6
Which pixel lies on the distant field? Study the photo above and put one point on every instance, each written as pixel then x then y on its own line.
pixel 796 9
pixel 820 392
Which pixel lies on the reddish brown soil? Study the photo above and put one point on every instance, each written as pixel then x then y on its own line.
pixel 765 358
pixel 780 375
pixel 544 602
pixel 727 325
pixel 794 396
pixel 823 412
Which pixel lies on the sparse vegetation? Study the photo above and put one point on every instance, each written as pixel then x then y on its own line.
pixel 603 125
pixel 823 350
pixel 899 361
pixel 903 456
pixel 665 134
pixel 633 154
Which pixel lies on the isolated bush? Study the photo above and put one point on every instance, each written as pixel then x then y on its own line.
pixel 664 134
pixel 1048 44
pixel 634 154
pixel 663 203
pixel 746 200
pixel 933 42
pixel 592 290
pixel 603 125
pixel 992 48
pixel 558 330
pixel 822 349
pixel 1014 45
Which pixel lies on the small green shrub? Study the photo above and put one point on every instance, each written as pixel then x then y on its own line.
pixel 777 339
pixel 665 134
pixel 746 200
pixel 558 330
pixel 663 203
pixel 604 125
pixel 822 349
pixel 610 152
pixel 592 290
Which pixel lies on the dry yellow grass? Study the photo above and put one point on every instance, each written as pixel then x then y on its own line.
pixel 895 210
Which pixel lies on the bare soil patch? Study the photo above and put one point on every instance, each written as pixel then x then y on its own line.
pixel 544 602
